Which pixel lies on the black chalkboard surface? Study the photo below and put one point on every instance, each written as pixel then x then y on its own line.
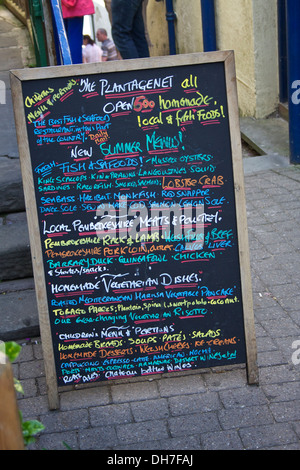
pixel 134 188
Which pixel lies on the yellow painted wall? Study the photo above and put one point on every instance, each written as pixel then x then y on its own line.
pixel 157 28
pixel 248 27
pixel 188 26
pixel 234 31
pixel 266 56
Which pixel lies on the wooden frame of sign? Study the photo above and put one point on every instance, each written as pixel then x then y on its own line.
pixel 191 333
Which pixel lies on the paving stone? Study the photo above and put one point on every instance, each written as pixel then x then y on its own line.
pixel 221 440
pixel 60 421
pixel 138 432
pixel 196 403
pixel 271 358
pixel 177 385
pixel 95 396
pixel 97 438
pixel 263 437
pixel 242 397
pixel 278 374
pixel 286 411
pixel 286 447
pixel 34 407
pixel 182 443
pixel 57 441
pixel 134 391
pixel 30 387
pixel 244 417
pixel 194 424
pixel 110 415
pixel 220 381
pixel 150 409
pixel 265 344
pixel 31 369
pixel 282 392
pixel 280 327
pixel 296 427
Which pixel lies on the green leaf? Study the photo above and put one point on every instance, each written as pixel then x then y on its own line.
pixel 66 445
pixel 18 386
pixel 31 428
pixel 12 350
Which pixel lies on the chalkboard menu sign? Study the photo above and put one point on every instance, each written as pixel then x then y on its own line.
pixel 133 180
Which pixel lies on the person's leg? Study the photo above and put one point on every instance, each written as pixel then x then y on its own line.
pixel 123 12
pixel 74 28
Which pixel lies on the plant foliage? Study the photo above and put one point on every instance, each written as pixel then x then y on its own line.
pixel 31 427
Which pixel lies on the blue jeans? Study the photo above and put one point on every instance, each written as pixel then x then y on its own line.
pixel 74 33
pixel 73 28
pixel 128 29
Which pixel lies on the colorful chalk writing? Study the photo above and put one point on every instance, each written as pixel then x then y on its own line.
pixel 135 199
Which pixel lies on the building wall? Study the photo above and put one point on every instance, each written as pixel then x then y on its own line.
pixel 266 56
pixel 157 28
pixel 234 31
pixel 248 27
pixel 188 26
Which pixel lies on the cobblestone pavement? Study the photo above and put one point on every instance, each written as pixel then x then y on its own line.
pixel 210 409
